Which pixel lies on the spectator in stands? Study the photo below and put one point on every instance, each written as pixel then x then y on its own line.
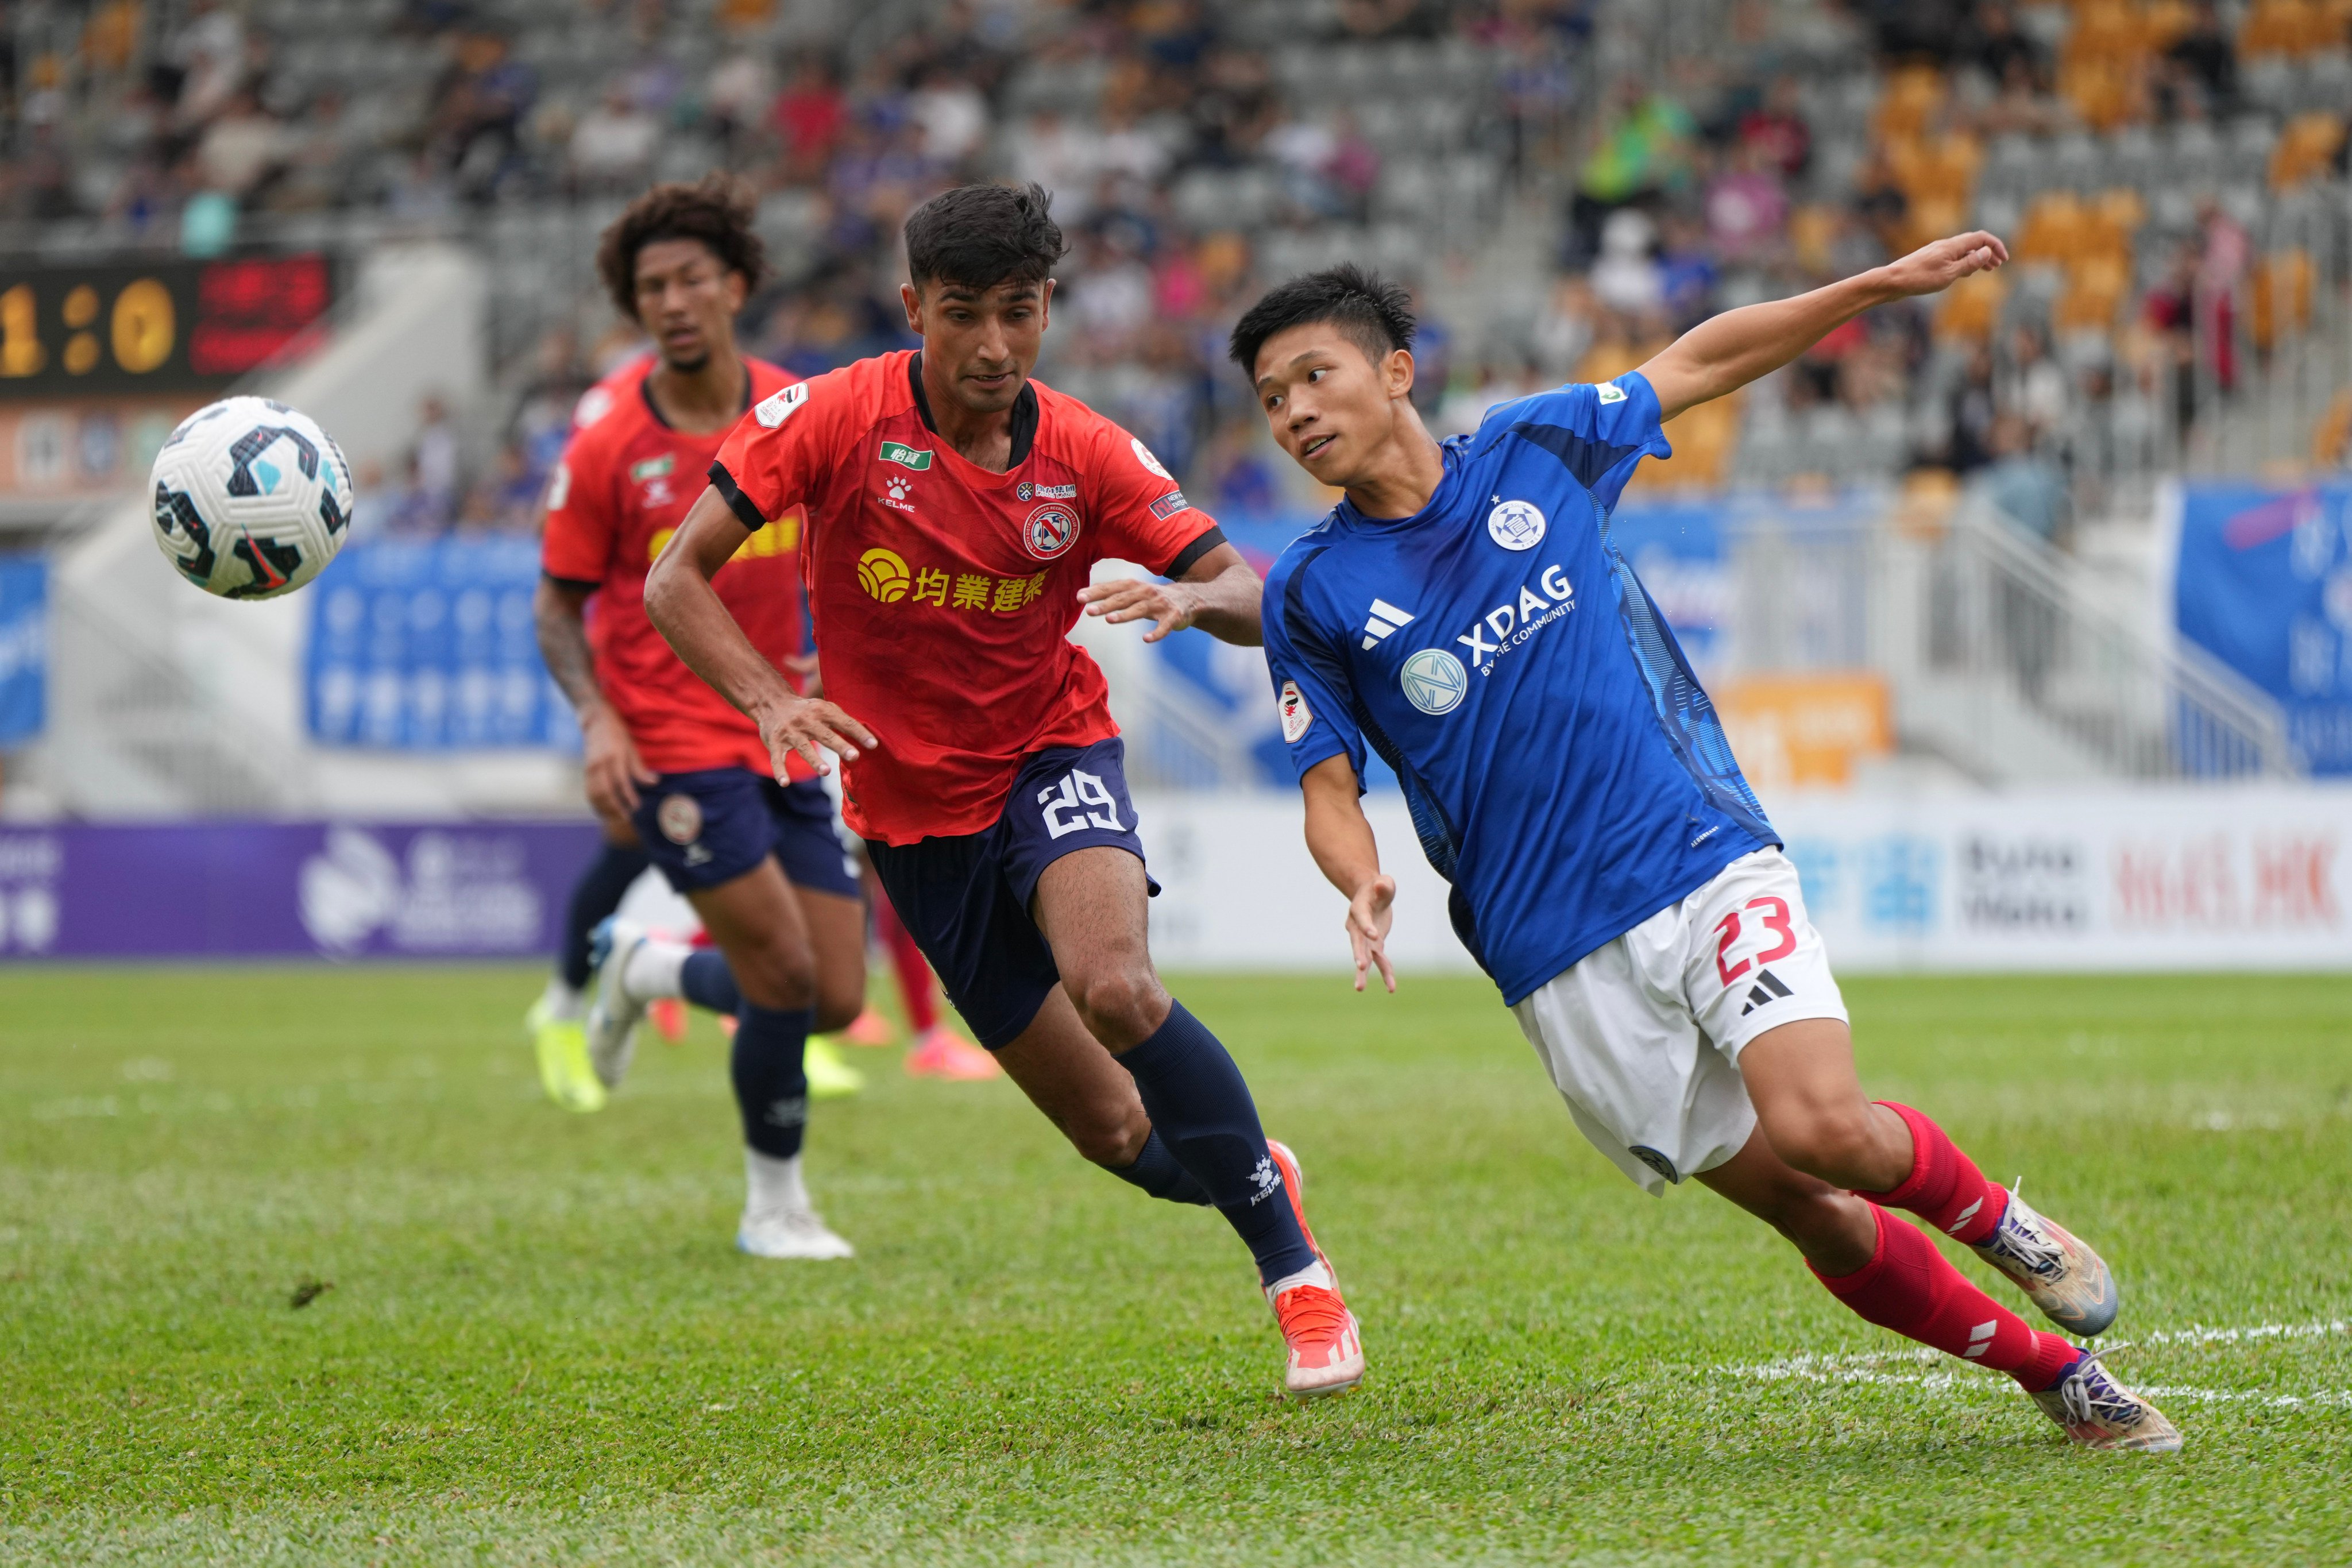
pixel 2204 57
pixel 951 116
pixel 1776 131
pixel 240 149
pixel 1746 209
pixel 2024 486
pixel 2032 386
pixel 613 145
pixel 479 112
pixel 810 116
pixel 2000 47
pixel 1644 150
pixel 434 459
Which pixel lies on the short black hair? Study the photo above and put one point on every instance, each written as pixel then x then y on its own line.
pixel 1373 313
pixel 982 235
pixel 714 211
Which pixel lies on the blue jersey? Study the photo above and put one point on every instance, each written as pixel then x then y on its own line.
pixel 1564 770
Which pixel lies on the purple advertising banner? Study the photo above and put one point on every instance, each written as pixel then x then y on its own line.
pixel 288 890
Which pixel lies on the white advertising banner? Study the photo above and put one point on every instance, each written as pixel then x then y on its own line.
pixel 2110 879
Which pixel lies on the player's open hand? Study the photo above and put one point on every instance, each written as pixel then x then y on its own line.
pixel 1938 266
pixel 1171 606
pixel 611 767
pixel 814 728
pixel 1370 915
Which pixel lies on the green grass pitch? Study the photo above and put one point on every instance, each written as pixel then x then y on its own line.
pixel 537 1345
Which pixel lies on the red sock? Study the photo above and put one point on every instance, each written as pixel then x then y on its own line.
pixel 1911 1286
pixel 916 988
pixel 1945 1188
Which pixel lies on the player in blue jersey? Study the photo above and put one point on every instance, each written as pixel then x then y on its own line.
pixel 1464 613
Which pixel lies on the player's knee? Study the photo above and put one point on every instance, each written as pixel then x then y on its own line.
pixel 1834 1144
pixel 837 1006
pixel 1121 1005
pixel 779 972
pixel 1110 1134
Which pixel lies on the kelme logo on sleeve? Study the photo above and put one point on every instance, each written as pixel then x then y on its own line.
pixel 906 457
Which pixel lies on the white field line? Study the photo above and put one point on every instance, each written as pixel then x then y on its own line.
pixel 1840 1368
pixel 1954 1374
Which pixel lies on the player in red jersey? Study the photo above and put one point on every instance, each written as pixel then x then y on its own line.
pixel 754 850
pixel 554 1019
pixel 956 509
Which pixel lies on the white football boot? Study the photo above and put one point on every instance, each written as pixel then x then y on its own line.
pixel 614 1015
pixel 2100 1413
pixel 2064 1277
pixel 788 1232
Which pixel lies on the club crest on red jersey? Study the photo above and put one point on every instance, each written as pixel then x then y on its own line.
pixel 1050 530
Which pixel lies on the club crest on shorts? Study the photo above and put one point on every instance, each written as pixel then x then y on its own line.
pixel 679 817
pixel 1050 530
pixel 1516 525
pixel 1434 681
pixel 1657 1161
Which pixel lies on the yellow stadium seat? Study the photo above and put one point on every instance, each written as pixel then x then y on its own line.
pixel 2281 290
pixel 1971 308
pixel 2305 148
pixel 2283 27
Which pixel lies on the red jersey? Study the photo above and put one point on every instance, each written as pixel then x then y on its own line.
pixel 941 596
pixel 626 483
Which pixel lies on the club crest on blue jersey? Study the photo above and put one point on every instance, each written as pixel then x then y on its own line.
pixel 1516 525
pixel 1434 681
pixel 1050 530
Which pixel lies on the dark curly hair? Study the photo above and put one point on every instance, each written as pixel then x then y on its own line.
pixel 1370 310
pixel 715 211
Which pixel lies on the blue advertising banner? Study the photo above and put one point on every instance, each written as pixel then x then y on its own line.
pixel 2265 585
pixel 428 646
pixel 24 647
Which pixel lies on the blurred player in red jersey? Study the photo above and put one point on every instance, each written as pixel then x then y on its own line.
pixel 956 509
pixel 757 855
pixel 555 1018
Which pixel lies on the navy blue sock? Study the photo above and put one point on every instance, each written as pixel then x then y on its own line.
pixel 1157 1172
pixel 594 896
pixel 707 983
pixel 1198 1102
pixel 770 1085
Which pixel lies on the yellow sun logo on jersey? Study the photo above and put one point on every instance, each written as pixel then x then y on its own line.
pixel 884 575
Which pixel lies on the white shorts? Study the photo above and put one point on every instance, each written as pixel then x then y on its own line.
pixel 1642 1036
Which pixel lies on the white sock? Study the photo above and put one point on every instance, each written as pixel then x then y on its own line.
pixel 656 968
pixel 1313 1274
pixel 561 1003
pixel 771 1184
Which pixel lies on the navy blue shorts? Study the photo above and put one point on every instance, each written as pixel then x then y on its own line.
pixel 711 825
pixel 965 899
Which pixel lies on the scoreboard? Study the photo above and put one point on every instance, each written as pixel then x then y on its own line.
pixel 106 330
pixel 100 361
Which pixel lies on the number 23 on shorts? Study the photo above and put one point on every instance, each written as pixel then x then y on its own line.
pixel 1775 917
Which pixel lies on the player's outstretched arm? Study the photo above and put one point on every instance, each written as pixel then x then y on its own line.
pixel 610 765
pixel 686 610
pixel 1723 353
pixel 1340 839
pixel 1219 593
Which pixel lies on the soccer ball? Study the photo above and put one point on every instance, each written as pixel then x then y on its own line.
pixel 252 499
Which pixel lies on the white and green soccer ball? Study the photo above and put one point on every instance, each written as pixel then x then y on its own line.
pixel 252 499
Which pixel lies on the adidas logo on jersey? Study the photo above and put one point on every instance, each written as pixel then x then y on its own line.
pixel 1767 990
pixel 1384 620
